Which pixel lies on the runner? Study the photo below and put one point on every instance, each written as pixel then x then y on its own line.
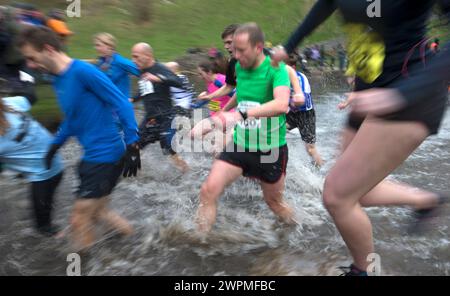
pixel 259 148
pixel 303 116
pixel 396 105
pixel 23 147
pixel 154 90
pixel 228 87
pixel 88 99
pixel 181 97
pixel 214 81
pixel 116 67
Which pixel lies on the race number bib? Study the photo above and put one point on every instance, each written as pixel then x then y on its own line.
pixel 145 87
pixel 214 106
pixel 249 123
pixel 366 52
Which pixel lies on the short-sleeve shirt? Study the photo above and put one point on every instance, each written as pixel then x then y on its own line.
pixel 254 89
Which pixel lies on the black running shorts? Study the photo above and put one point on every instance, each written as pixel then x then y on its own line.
pixel 268 167
pixel 98 179
pixel 305 122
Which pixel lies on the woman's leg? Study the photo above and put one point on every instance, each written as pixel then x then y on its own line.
pixel 373 153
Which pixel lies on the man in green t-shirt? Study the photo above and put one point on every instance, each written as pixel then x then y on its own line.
pixel 259 148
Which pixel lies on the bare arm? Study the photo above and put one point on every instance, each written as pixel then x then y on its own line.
pixel 298 97
pixel 232 103
pixel 276 107
pixel 221 92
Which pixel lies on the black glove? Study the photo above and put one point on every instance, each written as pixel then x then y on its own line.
pixel 132 160
pixel 50 154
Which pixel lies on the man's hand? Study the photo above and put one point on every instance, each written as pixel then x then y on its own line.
pixel 132 160
pixel 50 155
pixel 298 99
pixel 150 77
pixel 226 120
pixel 376 101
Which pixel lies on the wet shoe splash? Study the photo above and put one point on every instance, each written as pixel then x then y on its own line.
pixel 352 270
pixel 423 219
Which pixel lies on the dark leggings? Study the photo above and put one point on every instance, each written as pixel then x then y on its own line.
pixel 42 198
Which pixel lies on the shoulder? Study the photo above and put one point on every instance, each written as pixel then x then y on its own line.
pixel 220 77
pixel 303 76
pixel 120 59
pixel 87 73
pixel 183 77
pixel 81 66
pixel 307 86
pixel 280 70
pixel 160 66
pixel 19 103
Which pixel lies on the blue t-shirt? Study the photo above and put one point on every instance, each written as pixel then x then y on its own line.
pixel 28 155
pixel 87 98
pixel 118 69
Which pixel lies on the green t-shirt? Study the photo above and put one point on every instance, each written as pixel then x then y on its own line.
pixel 254 88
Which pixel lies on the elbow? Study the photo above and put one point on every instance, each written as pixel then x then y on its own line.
pixel 282 108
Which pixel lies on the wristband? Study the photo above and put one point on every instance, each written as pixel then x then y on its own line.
pixel 243 114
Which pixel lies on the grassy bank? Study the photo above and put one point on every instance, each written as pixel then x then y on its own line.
pixel 177 25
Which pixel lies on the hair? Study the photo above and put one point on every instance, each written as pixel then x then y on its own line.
pixel 255 34
pixel 39 37
pixel 229 30
pixel 208 66
pixel 292 59
pixel 4 124
pixel 57 14
pixel 107 39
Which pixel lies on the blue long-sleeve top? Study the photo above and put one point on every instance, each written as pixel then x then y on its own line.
pixel 88 98
pixel 118 68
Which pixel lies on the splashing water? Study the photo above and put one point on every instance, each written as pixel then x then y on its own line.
pixel 247 238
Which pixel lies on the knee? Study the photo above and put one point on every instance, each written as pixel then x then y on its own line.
pixel 208 193
pixel 331 197
pixel 82 210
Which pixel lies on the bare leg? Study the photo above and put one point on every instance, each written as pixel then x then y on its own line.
pixel 113 219
pixel 376 150
pixel 180 163
pixel 312 151
pixel 389 193
pixel 221 175
pixel 273 195
pixel 83 223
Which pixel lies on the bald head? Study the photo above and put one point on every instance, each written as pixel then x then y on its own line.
pixel 143 47
pixel 142 55
pixel 173 66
